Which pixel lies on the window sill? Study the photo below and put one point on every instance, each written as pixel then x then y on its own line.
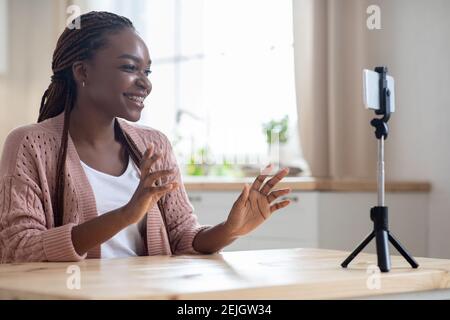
pixel 306 184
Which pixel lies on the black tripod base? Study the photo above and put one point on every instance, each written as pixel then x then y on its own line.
pixel 379 216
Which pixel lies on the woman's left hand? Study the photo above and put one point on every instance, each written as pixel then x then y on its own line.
pixel 255 204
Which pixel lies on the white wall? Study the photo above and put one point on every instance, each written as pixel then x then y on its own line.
pixel 33 31
pixel 417 36
pixel 3 35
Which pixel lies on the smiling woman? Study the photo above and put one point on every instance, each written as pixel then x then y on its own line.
pixel 83 182
pixel 112 75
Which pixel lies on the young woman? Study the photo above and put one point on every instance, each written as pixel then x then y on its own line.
pixel 83 182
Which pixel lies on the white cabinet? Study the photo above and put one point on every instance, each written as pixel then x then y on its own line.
pixel 329 220
pixel 291 227
pixel 344 220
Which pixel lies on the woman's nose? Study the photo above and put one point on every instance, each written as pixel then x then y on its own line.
pixel 144 83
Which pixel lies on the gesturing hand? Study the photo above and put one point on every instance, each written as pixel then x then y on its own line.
pixel 255 204
pixel 149 190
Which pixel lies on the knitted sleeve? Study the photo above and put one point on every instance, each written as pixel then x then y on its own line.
pixel 181 221
pixel 26 232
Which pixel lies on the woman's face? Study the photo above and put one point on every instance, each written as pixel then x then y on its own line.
pixel 117 76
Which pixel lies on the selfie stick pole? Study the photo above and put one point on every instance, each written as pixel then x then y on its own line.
pixel 379 214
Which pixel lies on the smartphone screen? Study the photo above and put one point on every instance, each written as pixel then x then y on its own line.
pixel 371 94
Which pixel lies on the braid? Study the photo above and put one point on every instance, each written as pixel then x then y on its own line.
pixel 75 45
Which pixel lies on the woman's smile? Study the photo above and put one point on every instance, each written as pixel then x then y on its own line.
pixel 136 99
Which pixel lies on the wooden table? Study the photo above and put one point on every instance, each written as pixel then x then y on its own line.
pixel 265 274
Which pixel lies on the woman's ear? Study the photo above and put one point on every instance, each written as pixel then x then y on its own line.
pixel 79 70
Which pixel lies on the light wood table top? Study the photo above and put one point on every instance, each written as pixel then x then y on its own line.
pixel 306 184
pixel 264 274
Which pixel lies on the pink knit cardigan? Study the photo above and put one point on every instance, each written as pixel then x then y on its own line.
pixel 27 189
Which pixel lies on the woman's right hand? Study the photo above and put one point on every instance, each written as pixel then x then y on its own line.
pixel 149 190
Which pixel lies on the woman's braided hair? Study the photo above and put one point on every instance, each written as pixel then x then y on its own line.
pixel 76 45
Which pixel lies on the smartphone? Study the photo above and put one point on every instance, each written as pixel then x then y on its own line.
pixel 371 88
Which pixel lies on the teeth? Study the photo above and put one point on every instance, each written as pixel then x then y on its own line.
pixel 136 98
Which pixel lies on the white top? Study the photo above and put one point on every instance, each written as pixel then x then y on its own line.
pixel 111 193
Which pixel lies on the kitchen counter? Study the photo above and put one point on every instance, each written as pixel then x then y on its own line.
pixel 263 274
pixel 305 184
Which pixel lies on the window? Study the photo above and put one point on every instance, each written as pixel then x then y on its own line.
pixel 221 68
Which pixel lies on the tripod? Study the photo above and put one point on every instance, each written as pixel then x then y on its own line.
pixel 379 214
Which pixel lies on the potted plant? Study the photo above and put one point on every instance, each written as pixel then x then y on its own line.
pixel 277 130
pixel 277 136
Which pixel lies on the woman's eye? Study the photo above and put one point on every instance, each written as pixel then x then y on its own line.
pixel 132 68
pixel 129 67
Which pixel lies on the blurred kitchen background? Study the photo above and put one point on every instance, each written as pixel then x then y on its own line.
pixel 238 84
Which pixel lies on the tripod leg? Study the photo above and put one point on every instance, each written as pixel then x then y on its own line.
pixel 384 260
pixel 403 252
pixel 361 246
